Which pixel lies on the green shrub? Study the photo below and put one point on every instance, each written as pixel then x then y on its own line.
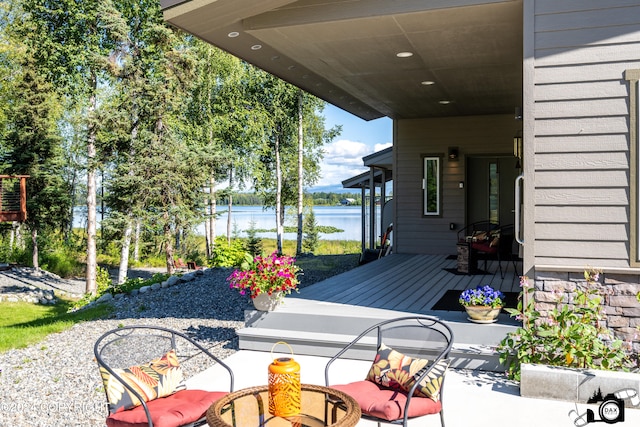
pixel 137 283
pixel 155 261
pixel 568 336
pixel 62 262
pixel 228 255
pixel 104 285
pixel 103 280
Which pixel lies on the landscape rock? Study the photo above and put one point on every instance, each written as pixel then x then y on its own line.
pixel 56 382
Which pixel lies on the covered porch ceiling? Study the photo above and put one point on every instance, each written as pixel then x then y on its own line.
pixel 401 59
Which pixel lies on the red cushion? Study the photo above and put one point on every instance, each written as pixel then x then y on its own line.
pixel 183 407
pixel 387 404
pixel 484 247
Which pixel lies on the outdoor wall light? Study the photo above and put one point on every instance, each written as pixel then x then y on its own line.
pixel 453 154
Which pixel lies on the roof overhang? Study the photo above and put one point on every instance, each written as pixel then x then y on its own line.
pixel 382 159
pixel 466 54
pixel 364 179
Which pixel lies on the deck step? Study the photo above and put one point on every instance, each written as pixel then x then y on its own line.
pixel 325 331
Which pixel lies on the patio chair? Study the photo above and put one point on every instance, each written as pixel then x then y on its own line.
pixel 498 246
pixel 406 378
pixel 476 230
pixel 144 369
pixel 191 265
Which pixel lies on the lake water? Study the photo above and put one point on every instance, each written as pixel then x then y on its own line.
pixel 346 218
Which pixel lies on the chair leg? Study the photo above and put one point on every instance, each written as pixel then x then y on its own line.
pixel 442 417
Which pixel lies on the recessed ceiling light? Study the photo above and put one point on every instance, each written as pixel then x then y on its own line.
pixel 256 47
pixel 291 67
pixel 427 83
pixel 444 102
pixel 275 57
pixel 404 54
pixel 233 34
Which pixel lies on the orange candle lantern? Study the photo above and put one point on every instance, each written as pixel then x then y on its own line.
pixel 284 385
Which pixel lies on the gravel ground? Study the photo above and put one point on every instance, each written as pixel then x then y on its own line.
pixel 56 382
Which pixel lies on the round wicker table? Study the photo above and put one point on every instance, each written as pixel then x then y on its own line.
pixel 320 407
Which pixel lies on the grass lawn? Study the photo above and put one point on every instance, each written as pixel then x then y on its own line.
pixel 23 324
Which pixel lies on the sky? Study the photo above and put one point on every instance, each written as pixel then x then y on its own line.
pixel 343 156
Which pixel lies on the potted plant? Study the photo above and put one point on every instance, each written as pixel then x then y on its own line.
pixel 482 304
pixel 266 279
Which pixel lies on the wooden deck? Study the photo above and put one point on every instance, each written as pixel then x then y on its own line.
pixel 406 283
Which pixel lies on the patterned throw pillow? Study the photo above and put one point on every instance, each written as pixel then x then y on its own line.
pixel 394 370
pixel 158 378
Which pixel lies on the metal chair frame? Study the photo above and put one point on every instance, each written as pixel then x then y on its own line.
pixel 435 325
pixel 119 334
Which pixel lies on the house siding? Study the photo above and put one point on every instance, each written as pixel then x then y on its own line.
pixel 473 135
pixel 581 132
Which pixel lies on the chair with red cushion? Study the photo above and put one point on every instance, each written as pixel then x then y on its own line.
pixel 144 371
pixel 406 377
pixel 497 246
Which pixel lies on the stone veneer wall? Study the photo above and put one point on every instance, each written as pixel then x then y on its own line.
pixel 621 307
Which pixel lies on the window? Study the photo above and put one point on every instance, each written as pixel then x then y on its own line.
pixel 432 185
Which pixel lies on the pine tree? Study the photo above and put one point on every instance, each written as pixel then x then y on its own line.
pixel 34 149
pixel 254 243
pixel 311 238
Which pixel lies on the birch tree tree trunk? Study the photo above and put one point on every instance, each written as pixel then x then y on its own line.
pixel 12 235
pixel 213 207
pixel 136 247
pixel 124 251
pixel 129 218
pixel 207 234
pixel 34 254
pixel 168 249
pixel 91 193
pixel 300 174
pixel 230 205
pixel 278 195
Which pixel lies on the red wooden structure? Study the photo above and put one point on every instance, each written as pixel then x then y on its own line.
pixel 13 198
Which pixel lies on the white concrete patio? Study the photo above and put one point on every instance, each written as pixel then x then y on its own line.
pixel 470 398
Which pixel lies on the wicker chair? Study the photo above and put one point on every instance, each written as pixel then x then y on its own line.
pixel 144 368
pixel 406 377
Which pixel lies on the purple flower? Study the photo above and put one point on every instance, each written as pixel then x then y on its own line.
pixel 482 295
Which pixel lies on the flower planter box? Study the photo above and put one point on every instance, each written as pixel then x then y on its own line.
pixel 573 385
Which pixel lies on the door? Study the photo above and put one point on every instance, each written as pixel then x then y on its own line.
pixel 490 189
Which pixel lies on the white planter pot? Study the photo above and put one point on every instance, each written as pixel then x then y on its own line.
pixel 266 302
